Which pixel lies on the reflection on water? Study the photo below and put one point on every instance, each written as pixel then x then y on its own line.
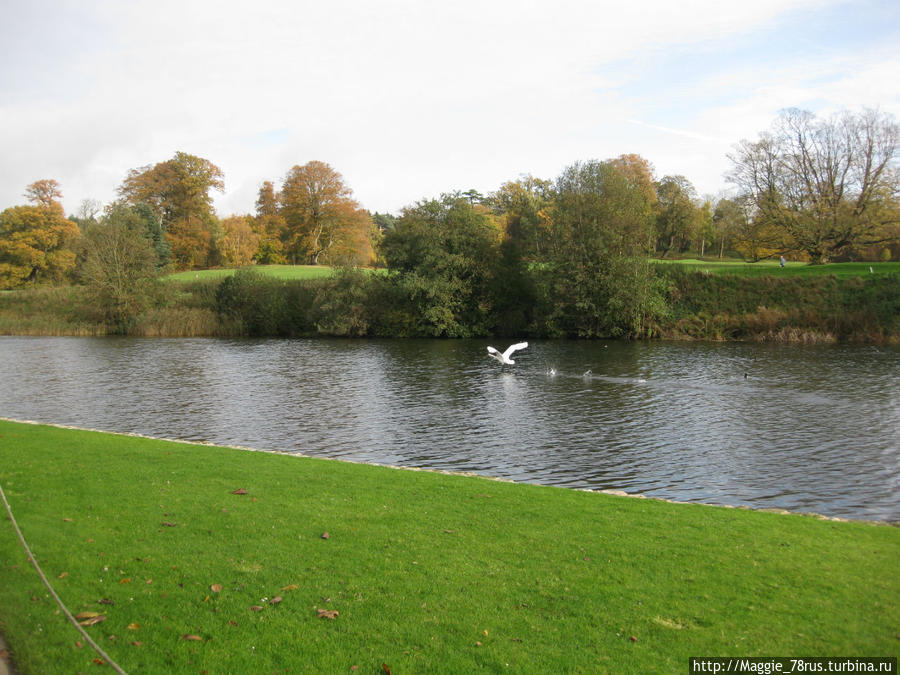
pixel 802 428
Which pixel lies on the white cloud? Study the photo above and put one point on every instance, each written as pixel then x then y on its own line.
pixel 406 99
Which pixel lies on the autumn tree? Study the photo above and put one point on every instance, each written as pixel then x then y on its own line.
pixel 44 192
pixel 829 184
pixel 239 243
pixel 178 193
pixel 322 220
pixel 36 242
pixel 737 227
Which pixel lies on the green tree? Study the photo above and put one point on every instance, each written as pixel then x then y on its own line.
pixel 270 226
pixel 36 243
pixel 444 253
pixel 523 206
pixel 154 231
pixel 178 192
pixel 598 282
pixel 120 264
pixel 678 217
pixel 729 217
pixel 828 183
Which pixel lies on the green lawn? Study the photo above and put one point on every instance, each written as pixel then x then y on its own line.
pixel 421 572
pixel 764 267
pixel 773 267
pixel 278 271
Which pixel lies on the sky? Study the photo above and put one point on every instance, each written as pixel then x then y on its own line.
pixel 411 99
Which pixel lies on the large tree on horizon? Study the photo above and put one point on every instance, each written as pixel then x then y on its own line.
pixel 178 192
pixel 322 221
pixel 829 184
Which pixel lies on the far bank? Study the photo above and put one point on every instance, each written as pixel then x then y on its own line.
pixel 697 304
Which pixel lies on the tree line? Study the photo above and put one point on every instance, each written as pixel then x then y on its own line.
pixel 571 250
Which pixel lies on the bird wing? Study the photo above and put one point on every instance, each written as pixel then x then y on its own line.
pixel 513 348
pixel 495 354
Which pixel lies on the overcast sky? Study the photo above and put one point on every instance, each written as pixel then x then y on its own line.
pixel 411 99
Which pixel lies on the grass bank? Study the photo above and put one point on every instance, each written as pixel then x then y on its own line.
pixel 215 559
pixel 801 303
pixel 791 308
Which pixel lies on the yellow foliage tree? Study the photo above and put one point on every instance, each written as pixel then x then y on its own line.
pixel 35 244
pixel 239 242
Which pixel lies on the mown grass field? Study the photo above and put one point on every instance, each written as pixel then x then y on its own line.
pixel 737 267
pixel 773 268
pixel 205 559
pixel 287 272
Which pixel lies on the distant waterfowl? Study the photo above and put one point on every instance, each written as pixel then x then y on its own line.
pixel 587 373
pixel 504 357
pixel 551 372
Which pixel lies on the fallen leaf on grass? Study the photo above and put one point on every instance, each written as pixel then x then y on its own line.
pixel 290 587
pixel 325 535
pixel 168 524
pixel 385 668
pixel 633 638
pixel 67 520
pixel 105 601
pixel 137 644
pixel 216 588
pixel 86 615
pixel 134 626
pixel 63 575
pixel 239 491
pixel 126 580
pixel 90 621
pixel 99 662
pixel 257 608
pixel 195 638
pixel 328 614
pixel 275 600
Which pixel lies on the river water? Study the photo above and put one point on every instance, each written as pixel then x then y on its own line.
pixel 801 428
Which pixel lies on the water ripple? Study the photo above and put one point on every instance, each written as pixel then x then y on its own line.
pixel 803 428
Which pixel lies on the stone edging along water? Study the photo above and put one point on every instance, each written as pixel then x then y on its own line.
pixel 469 474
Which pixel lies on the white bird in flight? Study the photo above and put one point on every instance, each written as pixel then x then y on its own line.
pixel 504 357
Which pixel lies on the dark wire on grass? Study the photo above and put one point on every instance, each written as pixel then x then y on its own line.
pixel 59 602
